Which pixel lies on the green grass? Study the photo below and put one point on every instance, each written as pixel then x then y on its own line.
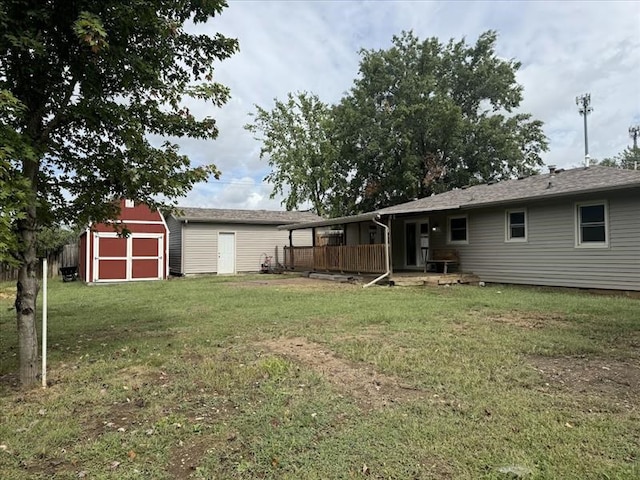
pixel 173 380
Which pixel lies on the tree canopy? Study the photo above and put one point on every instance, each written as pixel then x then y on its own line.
pixel 422 117
pixel 83 84
pixel 296 140
pixel 629 158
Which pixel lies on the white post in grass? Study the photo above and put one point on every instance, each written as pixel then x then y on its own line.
pixel 44 322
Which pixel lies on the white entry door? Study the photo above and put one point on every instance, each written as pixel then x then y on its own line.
pixel 226 253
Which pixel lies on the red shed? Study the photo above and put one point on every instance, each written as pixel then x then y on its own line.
pixel 143 255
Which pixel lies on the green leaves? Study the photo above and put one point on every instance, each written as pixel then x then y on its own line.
pixel 629 158
pixel 297 140
pixel 90 31
pixel 422 117
pixel 425 117
pixel 83 85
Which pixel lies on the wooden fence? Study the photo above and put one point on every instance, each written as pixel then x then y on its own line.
pixel 67 257
pixel 343 258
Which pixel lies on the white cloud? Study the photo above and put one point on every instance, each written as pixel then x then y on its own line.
pixel 566 49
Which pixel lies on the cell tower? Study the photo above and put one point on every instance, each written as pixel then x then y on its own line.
pixel 584 104
pixel 634 132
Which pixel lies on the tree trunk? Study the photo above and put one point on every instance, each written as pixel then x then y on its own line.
pixel 26 314
pixel 27 287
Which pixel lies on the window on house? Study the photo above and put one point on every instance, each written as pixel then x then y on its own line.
pixel 128 203
pixel 458 229
pixel 516 225
pixel 592 224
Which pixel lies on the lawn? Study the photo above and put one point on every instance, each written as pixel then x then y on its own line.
pixel 277 377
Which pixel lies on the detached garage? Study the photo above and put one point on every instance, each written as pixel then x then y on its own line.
pixel 142 255
pixel 209 240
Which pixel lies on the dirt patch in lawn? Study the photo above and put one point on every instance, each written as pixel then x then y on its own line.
pixel 295 283
pixel 8 293
pixel 187 456
pixel 371 389
pixel 529 320
pixel 618 380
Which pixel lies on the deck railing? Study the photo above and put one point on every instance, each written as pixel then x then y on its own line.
pixel 343 258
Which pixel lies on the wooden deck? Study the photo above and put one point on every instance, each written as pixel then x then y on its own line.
pixel 365 260
pixel 342 258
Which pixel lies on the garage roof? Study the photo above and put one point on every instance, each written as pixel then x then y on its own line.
pixel 262 217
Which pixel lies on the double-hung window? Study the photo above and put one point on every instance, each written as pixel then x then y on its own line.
pixel 591 224
pixel 458 229
pixel 516 225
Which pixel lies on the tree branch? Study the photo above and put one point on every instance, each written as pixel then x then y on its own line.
pixel 60 117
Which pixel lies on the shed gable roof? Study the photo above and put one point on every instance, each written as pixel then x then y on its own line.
pixel 536 187
pixel 264 217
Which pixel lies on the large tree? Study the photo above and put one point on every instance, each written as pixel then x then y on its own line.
pixel 422 117
pixel 296 138
pixel 83 85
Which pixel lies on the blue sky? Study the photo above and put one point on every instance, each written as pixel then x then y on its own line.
pixel 566 49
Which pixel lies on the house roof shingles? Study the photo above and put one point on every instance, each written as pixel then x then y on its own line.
pixel 263 217
pixel 536 187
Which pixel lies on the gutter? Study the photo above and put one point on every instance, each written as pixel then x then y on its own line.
pixel 387 256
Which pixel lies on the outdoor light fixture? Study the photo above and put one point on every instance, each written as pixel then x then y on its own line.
pixel 435 228
pixel 584 104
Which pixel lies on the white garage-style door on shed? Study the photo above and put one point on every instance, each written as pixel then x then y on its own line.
pixel 137 257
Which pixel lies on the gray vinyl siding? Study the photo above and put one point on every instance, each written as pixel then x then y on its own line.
pixel 550 256
pixel 200 247
pixel 358 233
pixel 352 234
pixel 175 245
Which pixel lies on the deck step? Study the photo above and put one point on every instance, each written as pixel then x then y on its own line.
pixel 429 280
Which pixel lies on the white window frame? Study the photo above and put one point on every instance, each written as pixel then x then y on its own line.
pixel 578 233
pixel 450 241
pixel 128 203
pixel 507 222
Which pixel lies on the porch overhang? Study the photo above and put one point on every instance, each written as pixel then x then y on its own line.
pixel 364 217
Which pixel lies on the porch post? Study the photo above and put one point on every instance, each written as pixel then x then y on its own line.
pixel 291 255
pixel 313 245
pixel 389 248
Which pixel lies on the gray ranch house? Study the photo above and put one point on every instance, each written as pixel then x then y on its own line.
pixel 209 240
pixel 572 228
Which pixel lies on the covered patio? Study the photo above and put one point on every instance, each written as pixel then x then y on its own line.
pixel 388 248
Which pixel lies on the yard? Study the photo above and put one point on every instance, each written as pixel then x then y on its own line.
pixel 288 378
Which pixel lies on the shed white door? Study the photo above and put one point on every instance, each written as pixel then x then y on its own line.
pixel 226 253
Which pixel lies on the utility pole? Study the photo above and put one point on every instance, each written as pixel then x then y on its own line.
pixel 584 104
pixel 634 131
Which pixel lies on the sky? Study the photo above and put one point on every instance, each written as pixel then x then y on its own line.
pixel 567 48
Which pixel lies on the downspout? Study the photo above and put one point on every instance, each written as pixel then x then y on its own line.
pixel 387 257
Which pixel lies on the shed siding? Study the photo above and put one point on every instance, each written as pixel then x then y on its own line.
pixel 251 241
pixel 175 245
pixel 550 257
